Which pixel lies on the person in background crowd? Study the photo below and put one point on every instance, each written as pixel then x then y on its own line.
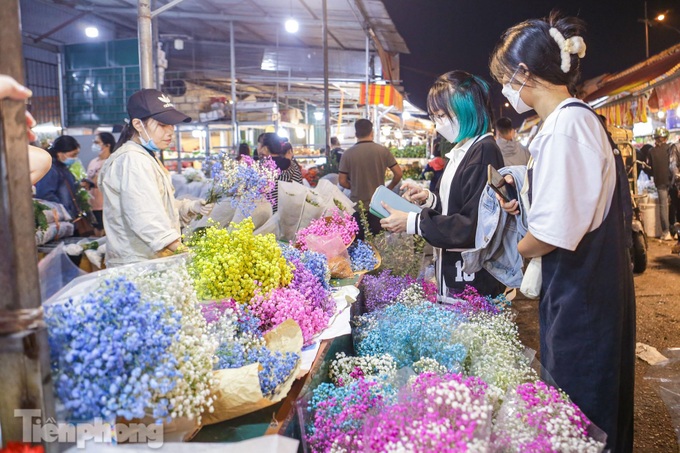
pixel 336 150
pixel 59 184
pixel 142 216
pixel 104 144
pixel 514 153
pixel 579 224
pixel 660 160
pixel 362 170
pixel 271 146
pixel 258 152
pixel 435 166
pixel 243 150
pixel 39 160
pixel 460 106
pixel 643 156
pixel 294 172
pixel 674 191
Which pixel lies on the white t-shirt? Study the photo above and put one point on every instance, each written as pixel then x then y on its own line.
pixel 574 177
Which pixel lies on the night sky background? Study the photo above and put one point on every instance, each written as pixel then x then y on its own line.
pixel 443 35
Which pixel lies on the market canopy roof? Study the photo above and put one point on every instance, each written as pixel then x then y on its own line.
pixel 269 62
pixel 641 76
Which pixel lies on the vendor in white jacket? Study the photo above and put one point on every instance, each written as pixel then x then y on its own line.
pixel 141 215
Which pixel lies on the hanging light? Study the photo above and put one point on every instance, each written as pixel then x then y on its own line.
pixel 662 114
pixel 318 115
pixel 282 133
pixel 91 32
pixel 292 25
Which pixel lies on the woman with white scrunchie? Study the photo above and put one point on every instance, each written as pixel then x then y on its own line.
pixel 578 225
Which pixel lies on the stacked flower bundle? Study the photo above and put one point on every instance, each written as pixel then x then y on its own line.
pixel 537 417
pixel 334 237
pixel 276 284
pixel 446 412
pixel 410 332
pixel 338 414
pixel 362 256
pixel 236 264
pixel 245 181
pixel 472 390
pixel 134 344
pixel 241 343
pixel 340 224
pixel 385 288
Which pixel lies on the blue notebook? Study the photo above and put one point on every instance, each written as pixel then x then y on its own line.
pixel 392 200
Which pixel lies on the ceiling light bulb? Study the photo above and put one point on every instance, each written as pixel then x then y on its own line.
pixel 318 115
pixel 660 17
pixel 292 26
pixel 91 32
pixel 662 114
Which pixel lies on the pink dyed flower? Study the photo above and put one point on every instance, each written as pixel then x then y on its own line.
pixel 340 223
pixel 285 303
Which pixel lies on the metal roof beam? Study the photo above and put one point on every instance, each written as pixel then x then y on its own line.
pixel 209 16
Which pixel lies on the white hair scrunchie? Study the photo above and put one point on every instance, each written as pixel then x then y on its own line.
pixel 568 47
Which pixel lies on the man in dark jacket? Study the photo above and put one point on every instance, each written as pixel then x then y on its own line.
pixel 659 160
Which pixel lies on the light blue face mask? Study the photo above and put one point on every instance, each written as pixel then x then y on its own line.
pixel 150 145
pixel 70 161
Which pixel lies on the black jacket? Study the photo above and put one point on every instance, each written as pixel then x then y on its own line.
pixel 457 229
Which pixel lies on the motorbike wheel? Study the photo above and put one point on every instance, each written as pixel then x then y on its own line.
pixel 639 253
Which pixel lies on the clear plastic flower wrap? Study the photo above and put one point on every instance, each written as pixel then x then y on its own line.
pixel 537 417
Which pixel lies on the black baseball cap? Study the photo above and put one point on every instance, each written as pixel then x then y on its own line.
pixel 149 103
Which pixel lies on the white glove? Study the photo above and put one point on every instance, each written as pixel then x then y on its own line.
pixel 201 207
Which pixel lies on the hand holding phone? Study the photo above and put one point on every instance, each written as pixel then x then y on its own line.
pixel 499 185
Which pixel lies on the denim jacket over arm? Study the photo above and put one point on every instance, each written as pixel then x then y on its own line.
pixel 498 234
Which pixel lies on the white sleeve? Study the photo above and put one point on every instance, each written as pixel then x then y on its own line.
pixel 431 200
pixel 142 204
pixel 412 222
pixel 567 188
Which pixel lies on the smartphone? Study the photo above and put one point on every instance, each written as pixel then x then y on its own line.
pixel 499 185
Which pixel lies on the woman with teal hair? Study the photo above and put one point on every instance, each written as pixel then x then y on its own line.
pixel 459 105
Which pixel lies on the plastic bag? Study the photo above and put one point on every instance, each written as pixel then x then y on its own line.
pixel 314 207
pixel 665 379
pixel 335 251
pixel 292 198
pixel 261 214
pixel 533 279
pixel 271 226
pixel 56 270
pixel 222 213
pixel 335 196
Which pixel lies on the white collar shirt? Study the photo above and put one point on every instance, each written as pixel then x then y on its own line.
pixel 455 157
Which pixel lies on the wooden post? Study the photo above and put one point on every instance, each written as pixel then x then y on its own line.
pixel 24 354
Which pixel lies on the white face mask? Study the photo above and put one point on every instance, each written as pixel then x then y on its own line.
pixel 448 129
pixel 96 148
pixel 513 96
